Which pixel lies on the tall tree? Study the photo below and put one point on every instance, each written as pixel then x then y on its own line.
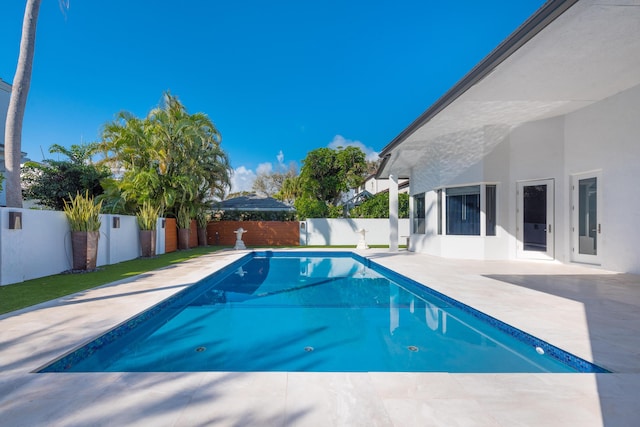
pixel 270 183
pixel 171 157
pixel 327 173
pixel 17 104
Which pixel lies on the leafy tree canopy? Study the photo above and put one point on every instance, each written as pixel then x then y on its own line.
pixel 170 158
pixel 52 182
pixel 378 207
pixel 327 173
pixel 290 190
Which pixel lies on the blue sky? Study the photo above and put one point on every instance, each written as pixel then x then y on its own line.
pixel 278 78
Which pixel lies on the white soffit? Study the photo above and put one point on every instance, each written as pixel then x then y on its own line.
pixel 589 53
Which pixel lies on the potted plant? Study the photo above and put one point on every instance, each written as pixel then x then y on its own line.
pixel 184 227
pixel 202 220
pixel 84 220
pixel 147 220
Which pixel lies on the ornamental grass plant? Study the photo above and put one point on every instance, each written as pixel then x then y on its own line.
pixel 148 216
pixel 83 213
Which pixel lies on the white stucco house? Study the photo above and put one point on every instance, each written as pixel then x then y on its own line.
pixel 375 185
pixel 535 153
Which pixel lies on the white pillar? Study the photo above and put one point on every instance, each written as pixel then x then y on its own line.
pixel 393 213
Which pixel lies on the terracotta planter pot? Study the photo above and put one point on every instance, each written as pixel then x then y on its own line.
pixel 183 238
pixel 84 245
pixel 202 237
pixel 148 243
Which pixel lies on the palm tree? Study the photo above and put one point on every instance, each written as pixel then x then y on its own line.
pixel 171 157
pixel 18 102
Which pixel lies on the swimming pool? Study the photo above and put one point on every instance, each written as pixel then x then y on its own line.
pixel 315 312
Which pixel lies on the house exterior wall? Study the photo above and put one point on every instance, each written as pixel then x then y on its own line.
pixel 606 137
pixel 602 137
pixel 536 152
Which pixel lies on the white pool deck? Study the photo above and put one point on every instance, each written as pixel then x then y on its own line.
pixel 590 312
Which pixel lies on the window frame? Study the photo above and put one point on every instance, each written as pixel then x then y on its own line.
pixel 486 213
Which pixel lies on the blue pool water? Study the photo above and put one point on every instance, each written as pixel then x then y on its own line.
pixel 314 311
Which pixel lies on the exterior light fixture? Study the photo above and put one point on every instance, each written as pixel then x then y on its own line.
pixel 15 220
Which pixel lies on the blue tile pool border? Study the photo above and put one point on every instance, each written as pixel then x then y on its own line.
pixel 83 351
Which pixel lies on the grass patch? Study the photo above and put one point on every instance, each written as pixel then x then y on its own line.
pixel 25 294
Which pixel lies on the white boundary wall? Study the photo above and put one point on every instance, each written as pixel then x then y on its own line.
pixel 344 231
pixel 43 246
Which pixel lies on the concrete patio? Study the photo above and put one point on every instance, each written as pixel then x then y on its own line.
pixel 592 313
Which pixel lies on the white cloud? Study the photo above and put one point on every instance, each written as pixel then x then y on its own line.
pixel 242 179
pixel 341 141
pixel 264 168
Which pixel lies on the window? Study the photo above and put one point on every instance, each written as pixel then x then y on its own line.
pixel 419 214
pixel 490 210
pixel 463 211
pixel 439 207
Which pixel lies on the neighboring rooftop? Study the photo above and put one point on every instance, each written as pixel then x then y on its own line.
pixel 253 202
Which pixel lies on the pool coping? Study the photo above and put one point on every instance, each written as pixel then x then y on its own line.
pixel 31 337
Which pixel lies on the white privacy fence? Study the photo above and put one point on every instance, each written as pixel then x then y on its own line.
pixel 344 231
pixel 35 243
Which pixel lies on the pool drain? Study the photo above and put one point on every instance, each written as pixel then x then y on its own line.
pixel 412 348
pixel 201 349
pixel 539 350
pixel 308 349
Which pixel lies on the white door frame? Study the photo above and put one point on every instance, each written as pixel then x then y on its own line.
pixel 587 256
pixel 549 227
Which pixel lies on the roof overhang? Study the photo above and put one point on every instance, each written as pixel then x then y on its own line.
pixel 568 55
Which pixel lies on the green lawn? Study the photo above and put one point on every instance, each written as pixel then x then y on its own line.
pixel 25 294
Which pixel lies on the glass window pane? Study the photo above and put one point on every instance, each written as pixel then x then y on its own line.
pixel 588 216
pixel 535 218
pixel 419 214
pixel 439 212
pixel 463 211
pixel 490 215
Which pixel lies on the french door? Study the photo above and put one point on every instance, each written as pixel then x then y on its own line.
pixel 586 211
pixel 535 219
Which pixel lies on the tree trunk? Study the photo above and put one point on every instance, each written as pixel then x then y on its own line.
pixel 17 104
